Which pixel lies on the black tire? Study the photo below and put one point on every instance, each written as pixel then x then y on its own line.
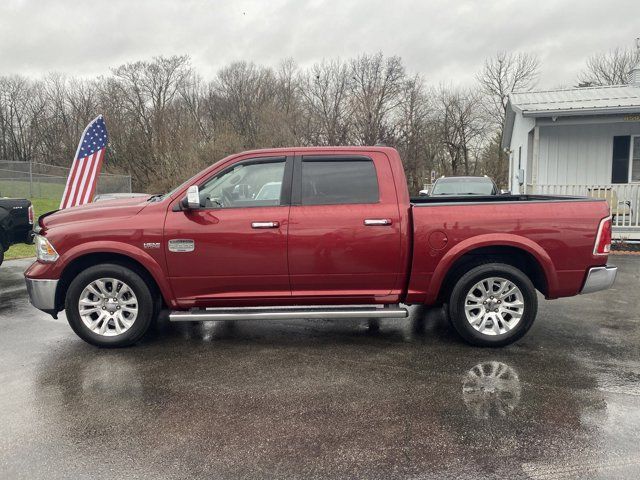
pixel 1 254
pixel 457 301
pixel 134 281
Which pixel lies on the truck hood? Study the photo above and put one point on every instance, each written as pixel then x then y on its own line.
pixel 125 207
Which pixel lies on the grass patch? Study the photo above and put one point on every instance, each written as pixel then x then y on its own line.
pixel 21 250
pixel 40 189
pixel 44 205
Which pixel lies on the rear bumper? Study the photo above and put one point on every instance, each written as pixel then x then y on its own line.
pixel 599 278
pixel 42 294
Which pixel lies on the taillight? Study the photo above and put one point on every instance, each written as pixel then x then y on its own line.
pixel 31 215
pixel 603 239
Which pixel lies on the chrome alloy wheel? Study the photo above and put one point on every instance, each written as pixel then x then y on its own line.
pixel 108 307
pixel 494 306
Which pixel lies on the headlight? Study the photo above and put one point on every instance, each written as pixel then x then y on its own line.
pixel 44 250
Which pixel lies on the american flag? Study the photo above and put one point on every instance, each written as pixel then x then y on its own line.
pixel 83 178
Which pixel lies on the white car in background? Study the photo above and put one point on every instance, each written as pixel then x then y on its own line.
pixel 457 186
pixel 269 191
pixel 117 196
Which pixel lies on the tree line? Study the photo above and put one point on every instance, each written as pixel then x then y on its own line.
pixel 166 122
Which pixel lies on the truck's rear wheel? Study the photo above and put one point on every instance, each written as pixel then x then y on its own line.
pixel 109 306
pixel 493 305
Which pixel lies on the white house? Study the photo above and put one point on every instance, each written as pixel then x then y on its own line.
pixel 579 141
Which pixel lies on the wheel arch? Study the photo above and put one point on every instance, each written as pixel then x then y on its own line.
pixel 88 259
pixel 518 252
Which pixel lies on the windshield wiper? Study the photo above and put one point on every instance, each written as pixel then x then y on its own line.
pixel 155 197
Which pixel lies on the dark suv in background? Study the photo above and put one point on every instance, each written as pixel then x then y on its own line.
pixel 16 223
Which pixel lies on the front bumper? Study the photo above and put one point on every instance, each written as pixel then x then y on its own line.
pixel 42 294
pixel 599 278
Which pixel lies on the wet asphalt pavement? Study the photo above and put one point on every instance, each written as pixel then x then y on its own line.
pixel 325 399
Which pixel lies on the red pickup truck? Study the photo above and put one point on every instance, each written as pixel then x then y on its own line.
pixel 315 233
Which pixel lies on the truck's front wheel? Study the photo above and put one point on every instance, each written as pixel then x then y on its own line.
pixel 109 305
pixel 493 305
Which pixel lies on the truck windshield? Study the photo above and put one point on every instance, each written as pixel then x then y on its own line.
pixel 463 186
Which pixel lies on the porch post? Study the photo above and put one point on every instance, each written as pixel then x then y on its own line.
pixel 534 157
pixel 510 185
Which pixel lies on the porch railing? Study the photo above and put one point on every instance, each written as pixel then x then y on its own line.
pixel 623 199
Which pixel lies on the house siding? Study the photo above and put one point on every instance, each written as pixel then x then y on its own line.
pixel 579 154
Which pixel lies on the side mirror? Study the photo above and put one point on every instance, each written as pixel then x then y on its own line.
pixel 424 193
pixel 193 198
pixel 505 192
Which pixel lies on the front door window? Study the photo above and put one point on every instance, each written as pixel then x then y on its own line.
pixel 253 184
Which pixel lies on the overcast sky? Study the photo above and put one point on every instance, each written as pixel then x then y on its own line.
pixel 446 41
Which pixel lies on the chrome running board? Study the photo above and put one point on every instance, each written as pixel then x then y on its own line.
pixel 289 313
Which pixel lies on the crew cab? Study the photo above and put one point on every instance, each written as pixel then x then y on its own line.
pixel 340 239
pixel 16 223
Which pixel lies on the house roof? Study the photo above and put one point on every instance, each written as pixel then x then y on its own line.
pixel 616 99
pixel 563 102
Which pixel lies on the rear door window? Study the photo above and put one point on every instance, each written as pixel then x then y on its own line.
pixel 332 181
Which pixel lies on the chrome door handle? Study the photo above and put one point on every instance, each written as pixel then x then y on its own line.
pixel 265 224
pixel 372 222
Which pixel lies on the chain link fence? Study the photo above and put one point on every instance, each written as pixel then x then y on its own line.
pixel 38 180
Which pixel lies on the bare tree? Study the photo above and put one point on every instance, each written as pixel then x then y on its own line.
pixel 193 96
pixel 414 130
pixel 492 162
pixel 22 110
pixel 375 87
pixel 146 93
pixel 282 116
pixel 70 105
pixel 503 74
pixel 244 90
pixel 462 129
pixel 324 92
pixel 609 68
pixel 287 86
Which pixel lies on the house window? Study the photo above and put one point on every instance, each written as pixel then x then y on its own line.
pixel 634 174
pixel 625 165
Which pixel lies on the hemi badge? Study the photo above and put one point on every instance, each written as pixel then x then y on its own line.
pixel 181 245
pixel 151 245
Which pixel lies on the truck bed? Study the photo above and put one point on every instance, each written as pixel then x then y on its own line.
pixel 557 231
